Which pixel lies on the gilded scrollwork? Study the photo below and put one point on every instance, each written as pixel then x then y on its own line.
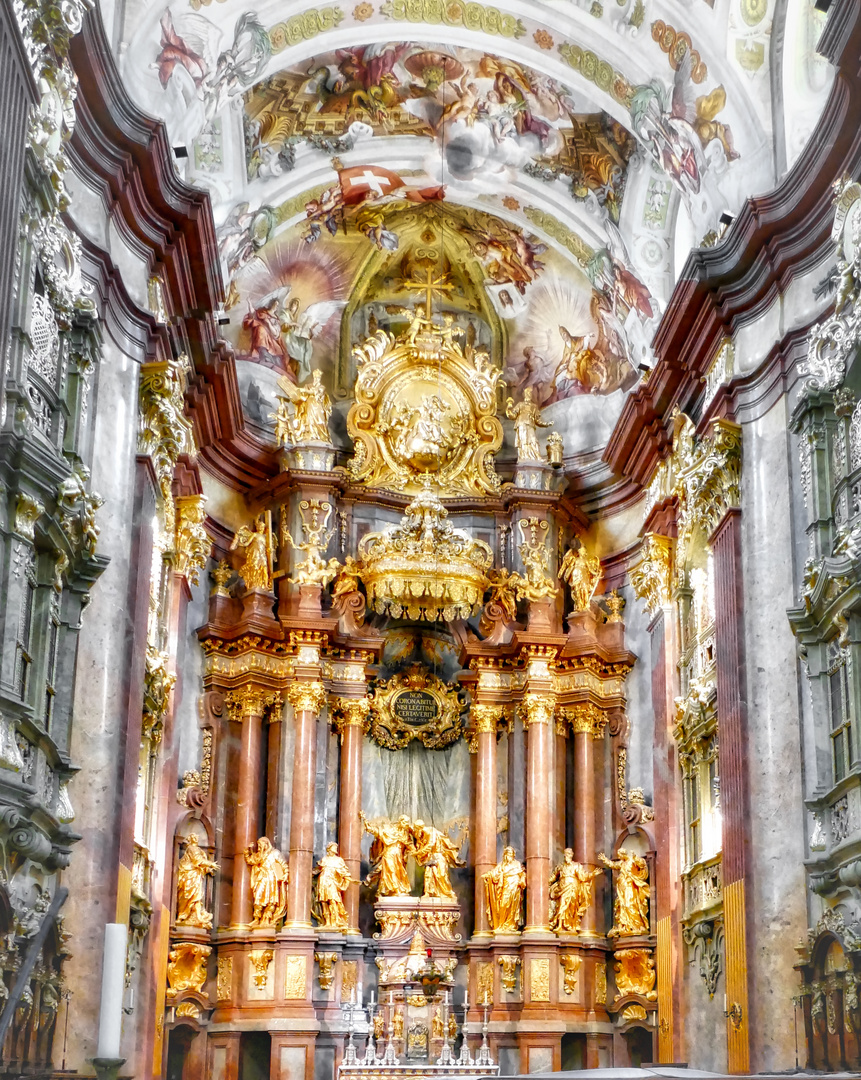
pixel 415 704
pixel 186 968
pixel 652 575
pixel 424 405
pixel 314 568
pixel 192 544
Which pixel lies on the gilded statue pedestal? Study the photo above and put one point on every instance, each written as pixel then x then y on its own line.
pixel 307 457
pixel 435 917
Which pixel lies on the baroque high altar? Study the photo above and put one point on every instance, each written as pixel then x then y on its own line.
pixel 410 843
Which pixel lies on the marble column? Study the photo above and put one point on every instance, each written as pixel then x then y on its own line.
pixel 273 776
pixel 732 717
pixel 486 719
pixel 353 717
pixel 539 764
pixel 246 706
pixel 587 724
pixel 307 698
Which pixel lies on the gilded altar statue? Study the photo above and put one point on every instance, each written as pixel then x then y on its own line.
pixel 191 876
pixel 437 1025
pixel 333 880
pixel 256 569
pixel 312 408
pixel 436 852
pixel 314 569
pixel 398 1024
pixel 348 579
pixel 526 416
pixel 379 1024
pixel 504 886
pixel 571 890
pixel 631 904
pixel 390 850
pixel 269 877
pixel 581 572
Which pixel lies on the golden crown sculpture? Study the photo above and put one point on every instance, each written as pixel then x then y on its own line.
pixel 425 568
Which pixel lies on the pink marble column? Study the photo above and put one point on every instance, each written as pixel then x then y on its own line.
pixel 353 715
pixel 582 723
pixel 485 719
pixel 307 699
pixel 539 765
pixel 246 706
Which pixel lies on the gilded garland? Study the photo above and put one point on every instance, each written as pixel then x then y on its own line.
pixel 415 704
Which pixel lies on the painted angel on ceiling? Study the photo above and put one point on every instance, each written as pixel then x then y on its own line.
pixel 190 54
pixel 678 131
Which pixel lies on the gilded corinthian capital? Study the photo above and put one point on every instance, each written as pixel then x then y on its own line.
pixel 351 712
pixel 249 701
pixel 306 696
pixel 585 719
pixel 486 717
pixel 539 709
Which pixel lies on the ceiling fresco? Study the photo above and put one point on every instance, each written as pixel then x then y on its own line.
pixel 548 172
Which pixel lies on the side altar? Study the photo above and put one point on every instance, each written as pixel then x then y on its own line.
pixel 409 847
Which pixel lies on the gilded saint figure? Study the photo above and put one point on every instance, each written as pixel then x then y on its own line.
pixel 269 876
pixel 398 1023
pixel 504 886
pixel 379 1024
pixel 581 572
pixel 436 852
pixel 437 1025
pixel 571 889
pixel 631 904
pixel 191 874
pixel 256 569
pixel 390 850
pixel 312 408
pixel 527 419
pixel 333 880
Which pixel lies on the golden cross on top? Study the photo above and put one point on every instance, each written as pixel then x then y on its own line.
pixel 429 286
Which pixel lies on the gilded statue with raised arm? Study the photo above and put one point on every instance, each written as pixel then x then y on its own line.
pixel 191 874
pixel 256 543
pixel 504 886
pixel 392 846
pixel 571 893
pixel 312 408
pixel 631 903
pixel 436 852
pixel 581 572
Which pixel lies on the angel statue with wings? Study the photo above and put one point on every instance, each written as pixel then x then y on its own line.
pixel 312 408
